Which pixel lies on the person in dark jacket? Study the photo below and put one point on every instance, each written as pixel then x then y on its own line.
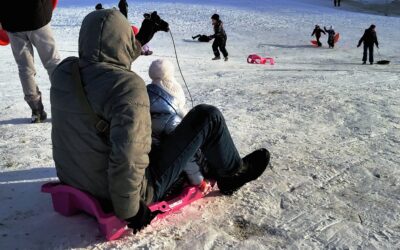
pixel 115 166
pixel 369 39
pixel 331 36
pixel 336 3
pixel 29 27
pixel 317 32
pixel 219 38
pixel 99 6
pixel 123 7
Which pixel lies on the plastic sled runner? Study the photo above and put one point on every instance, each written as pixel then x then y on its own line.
pixel 256 59
pixel 5 40
pixel 69 201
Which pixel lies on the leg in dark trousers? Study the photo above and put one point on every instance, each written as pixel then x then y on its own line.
pixel 202 128
pixel 215 46
pixel 365 54
pixel 371 53
pixel 339 3
pixel 222 47
pixel 335 2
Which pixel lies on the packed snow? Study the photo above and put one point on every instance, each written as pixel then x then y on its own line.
pixel 332 126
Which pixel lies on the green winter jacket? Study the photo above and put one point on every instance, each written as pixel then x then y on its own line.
pixel 112 167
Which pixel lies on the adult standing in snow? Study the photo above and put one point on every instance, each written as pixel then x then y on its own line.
pixel 112 162
pixel 219 38
pixel 28 26
pixel 369 39
pixel 336 3
pixel 317 32
pixel 123 7
pixel 331 36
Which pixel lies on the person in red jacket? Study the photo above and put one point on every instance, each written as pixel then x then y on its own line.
pixel 29 27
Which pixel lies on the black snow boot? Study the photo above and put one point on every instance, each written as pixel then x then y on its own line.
pixel 253 166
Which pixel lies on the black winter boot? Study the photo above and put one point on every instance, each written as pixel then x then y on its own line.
pixel 253 166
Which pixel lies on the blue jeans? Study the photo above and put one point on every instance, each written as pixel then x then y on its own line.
pixel 202 128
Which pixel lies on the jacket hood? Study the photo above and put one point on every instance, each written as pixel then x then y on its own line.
pixel 106 36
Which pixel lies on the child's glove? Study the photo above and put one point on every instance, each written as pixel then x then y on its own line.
pixel 205 187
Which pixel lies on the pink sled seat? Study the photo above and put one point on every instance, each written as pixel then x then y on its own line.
pixel 69 201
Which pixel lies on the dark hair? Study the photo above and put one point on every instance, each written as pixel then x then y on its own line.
pixel 372 26
pixel 215 17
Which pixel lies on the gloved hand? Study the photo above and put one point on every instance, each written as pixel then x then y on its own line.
pixel 151 24
pixel 358 46
pixel 143 218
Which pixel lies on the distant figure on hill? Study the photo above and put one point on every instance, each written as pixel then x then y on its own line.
pixel 317 32
pixel 331 36
pixel 369 39
pixel 99 6
pixel 123 7
pixel 336 3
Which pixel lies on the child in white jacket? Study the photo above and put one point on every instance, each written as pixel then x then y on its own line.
pixel 167 108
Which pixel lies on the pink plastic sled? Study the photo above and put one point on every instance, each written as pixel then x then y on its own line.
pixel 69 201
pixel 256 59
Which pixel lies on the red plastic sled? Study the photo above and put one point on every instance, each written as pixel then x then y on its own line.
pixel 256 59
pixel 69 201
pixel 5 40
pixel 135 30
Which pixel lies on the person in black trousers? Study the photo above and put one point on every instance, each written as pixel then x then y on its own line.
pixel 220 38
pixel 336 3
pixel 123 7
pixel 369 39
pixel 317 32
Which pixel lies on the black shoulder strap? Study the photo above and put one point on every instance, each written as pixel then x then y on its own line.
pixel 100 124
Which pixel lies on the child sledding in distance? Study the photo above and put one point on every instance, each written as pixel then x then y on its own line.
pixel 331 36
pixel 202 38
pixel 167 109
pixel 317 32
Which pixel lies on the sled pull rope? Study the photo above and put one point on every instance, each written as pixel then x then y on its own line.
pixel 180 70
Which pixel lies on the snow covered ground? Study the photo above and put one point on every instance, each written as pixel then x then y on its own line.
pixel 331 124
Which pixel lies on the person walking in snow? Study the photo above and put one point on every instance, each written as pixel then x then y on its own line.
pixel 331 36
pixel 123 7
pixel 111 159
pixel 369 39
pixel 317 32
pixel 167 109
pixel 219 37
pixel 336 3
pixel 27 27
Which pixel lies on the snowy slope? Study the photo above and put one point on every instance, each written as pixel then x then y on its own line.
pixel 332 125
